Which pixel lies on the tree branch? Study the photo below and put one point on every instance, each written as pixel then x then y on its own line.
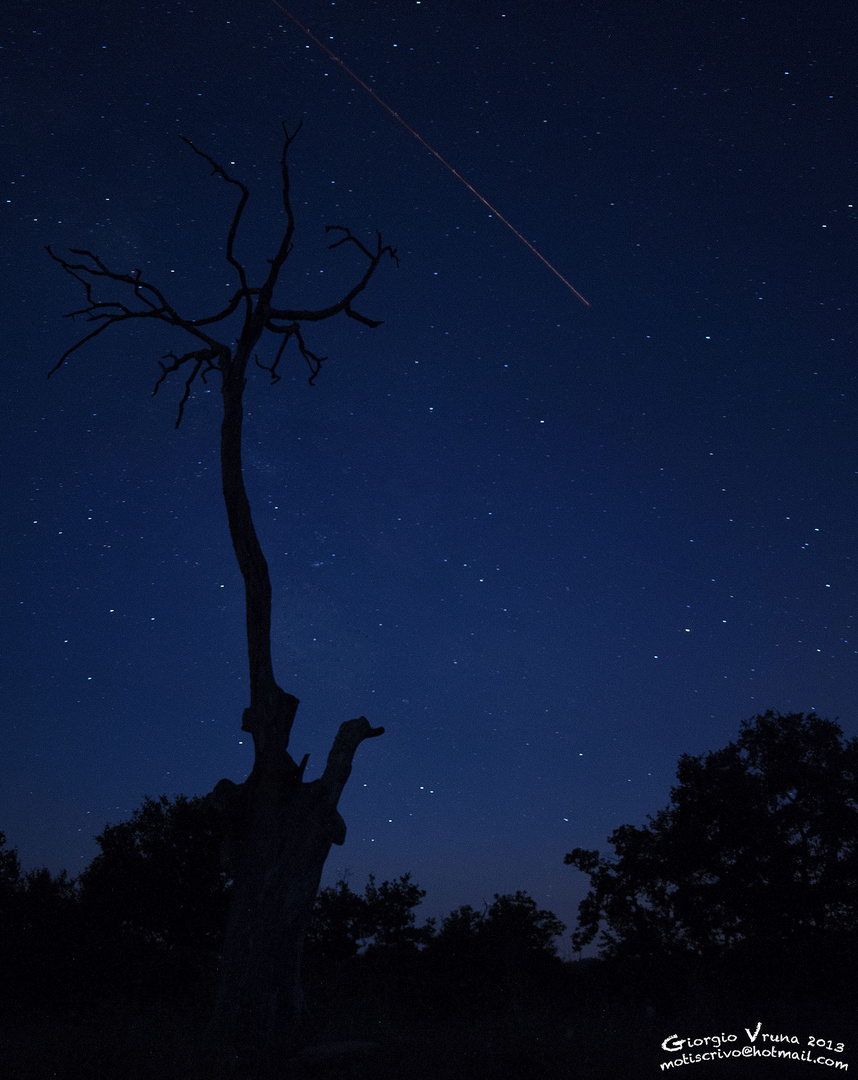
pixel 260 314
pixel 304 315
pixel 285 248
pixel 110 312
pixel 202 359
pixel 218 170
pixel 339 765
pixel 314 362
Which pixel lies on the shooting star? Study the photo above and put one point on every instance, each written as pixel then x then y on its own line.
pixel 431 149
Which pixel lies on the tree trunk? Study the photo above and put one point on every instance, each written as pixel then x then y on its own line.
pixel 283 832
pixel 278 829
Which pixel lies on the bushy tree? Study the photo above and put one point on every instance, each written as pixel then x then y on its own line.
pixel 364 954
pixel 497 958
pixel 39 933
pixel 514 926
pixel 345 923
pixel 158 876
pixel 337 927
pixel 511 929
pixel 11 887
pixel 758 846
pixel 10 874
pixel 390 920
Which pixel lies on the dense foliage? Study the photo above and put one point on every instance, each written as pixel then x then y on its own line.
pixel 758 847
pixel 158 876
pixel 345 923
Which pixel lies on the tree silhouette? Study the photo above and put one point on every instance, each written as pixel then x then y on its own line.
pixel 39 935
pixel 381 920
pixel 158 877
pixel 278 828
pixel 338 926
pixel 757 849
pixel 10 873
pixel 496 958
pixel 390 920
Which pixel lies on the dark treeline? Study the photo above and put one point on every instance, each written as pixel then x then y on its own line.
pixel 115 972
pixel 135 941
pixel 737 903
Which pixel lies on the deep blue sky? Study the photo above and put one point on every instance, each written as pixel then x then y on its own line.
pixel 549 548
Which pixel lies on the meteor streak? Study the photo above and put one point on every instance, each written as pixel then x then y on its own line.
pixel 431 149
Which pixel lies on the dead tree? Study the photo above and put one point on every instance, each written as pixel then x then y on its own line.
pixel 278 828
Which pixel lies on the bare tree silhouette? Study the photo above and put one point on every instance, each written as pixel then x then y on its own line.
pixel 278 828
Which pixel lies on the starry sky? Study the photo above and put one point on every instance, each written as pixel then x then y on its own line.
pixel 549 547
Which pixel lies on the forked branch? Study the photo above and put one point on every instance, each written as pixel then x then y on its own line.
pixel 138 298
pixel 218 170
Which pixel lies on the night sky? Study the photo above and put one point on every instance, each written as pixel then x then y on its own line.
pixel 549 547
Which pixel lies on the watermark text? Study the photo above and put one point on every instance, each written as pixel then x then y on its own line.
pixel 753 1042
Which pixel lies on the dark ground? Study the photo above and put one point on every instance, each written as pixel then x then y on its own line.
pixel 585 1020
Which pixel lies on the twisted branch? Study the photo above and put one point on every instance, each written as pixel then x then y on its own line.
pixel 202 359
pixel 260 315
pixel 218 170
